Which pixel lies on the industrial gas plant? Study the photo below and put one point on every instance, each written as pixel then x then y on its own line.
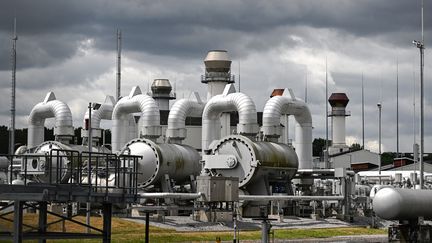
pixel 215 159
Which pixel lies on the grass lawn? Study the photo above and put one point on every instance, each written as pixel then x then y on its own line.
pixel 127 231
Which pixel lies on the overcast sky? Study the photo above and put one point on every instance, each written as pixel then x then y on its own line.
pixel 69 47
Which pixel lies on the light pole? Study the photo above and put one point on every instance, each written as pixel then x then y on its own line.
pixel 379 141
pixel 420 46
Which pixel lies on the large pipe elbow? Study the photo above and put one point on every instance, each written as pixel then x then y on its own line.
pixel 282 105
pixel 150 117
pixel 177 117
pixel 104 112
pixel 239 102
pixel 49 108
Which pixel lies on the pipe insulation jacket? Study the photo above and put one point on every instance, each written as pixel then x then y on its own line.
pixel 49 108
pixel 243 104
pixel 177 117
pixel 282 105
pixel 104 112
pixel 402 204
pixel 134 103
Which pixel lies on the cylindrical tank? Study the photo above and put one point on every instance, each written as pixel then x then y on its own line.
pixel 276 161
pixel 63 162
pixel 402 204
pixel 175 160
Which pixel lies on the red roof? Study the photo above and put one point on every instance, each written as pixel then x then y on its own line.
pixel 277 92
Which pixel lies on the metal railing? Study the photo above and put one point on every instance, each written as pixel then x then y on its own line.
pixel 100 172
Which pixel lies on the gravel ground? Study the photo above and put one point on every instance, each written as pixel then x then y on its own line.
pixel 183 223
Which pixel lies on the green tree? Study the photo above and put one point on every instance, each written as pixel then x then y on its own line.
pixel 318 146
pixel 387 158
pixel 355 147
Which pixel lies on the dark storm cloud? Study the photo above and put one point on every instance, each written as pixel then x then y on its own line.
pixel 189 28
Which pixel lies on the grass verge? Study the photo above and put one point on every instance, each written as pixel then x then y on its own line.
pixel 128 231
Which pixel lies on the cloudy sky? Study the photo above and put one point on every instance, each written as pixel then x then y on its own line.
pixel 69 47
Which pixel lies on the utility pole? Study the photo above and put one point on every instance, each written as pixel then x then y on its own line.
pixel 12 128
pixel 421 47
pixel 306 85
pixel 397 108
pixel 379 141
pixel 118 84
pixel 363 125
pixel 326 102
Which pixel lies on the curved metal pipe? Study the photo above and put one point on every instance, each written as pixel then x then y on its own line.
pixel 239 102
pixel 135 102
pixel 182 109
pixel 282 105
pixel 103 112
pixel 49 108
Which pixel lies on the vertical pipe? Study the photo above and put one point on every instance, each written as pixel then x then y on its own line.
pixel 264 231
pixel 12 128
pixel 118 93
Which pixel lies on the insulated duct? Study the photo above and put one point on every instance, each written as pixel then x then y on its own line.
pixel 99 112
pixel 134 103
pixel 226 102
pixel 49 108
pixel 182 109
pixel 283 105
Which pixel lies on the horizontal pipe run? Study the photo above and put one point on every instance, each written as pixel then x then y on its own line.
pixel 289 198
pixel 322 171
pixel 156 195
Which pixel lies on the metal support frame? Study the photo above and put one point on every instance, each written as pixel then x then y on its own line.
pixel 147 226
pixel 107 215
pixel 37 196
pixel 42 220
pixel 18 222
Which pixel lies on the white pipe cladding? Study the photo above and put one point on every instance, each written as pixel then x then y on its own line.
pixel 104 112
pixel 53 108
pixel 282 105
pixel 150 118
pixel 177 117
pixel 239 102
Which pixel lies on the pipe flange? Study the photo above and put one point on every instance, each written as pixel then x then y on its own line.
pixel 242 149
pixel 155 151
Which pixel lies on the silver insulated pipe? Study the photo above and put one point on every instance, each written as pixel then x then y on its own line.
pixel 134 103
pixel 100 112
pixel 182 109
pixel 402 204
pixel 49 108
pixel 282 105
pixel 227 102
